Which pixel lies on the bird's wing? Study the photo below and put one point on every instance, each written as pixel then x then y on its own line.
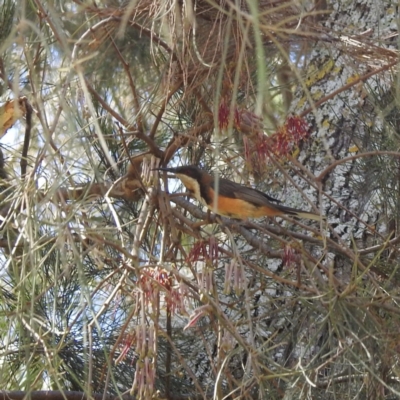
pixel 231 189
pixel 228 188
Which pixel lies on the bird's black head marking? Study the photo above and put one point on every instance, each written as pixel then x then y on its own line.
pixel 189 170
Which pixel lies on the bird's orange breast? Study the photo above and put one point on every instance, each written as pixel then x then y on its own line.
pixel 241 209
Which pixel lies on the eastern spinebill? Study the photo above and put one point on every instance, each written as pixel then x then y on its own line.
pixel 232 199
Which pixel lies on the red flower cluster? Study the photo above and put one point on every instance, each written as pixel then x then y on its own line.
pixel 129 340
pixel 155 281
pixel 288 136
pixel 225 115
pixel 154 277
pixel 289 256
pixel 203 250
pixel 260 147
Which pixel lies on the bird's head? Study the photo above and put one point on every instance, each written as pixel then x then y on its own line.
pixel 190 175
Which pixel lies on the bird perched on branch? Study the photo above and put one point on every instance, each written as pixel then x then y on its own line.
pixel 231 199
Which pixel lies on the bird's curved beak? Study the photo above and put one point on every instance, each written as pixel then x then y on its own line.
pixel 172 170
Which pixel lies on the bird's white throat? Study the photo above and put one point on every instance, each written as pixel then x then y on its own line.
pixel 193 186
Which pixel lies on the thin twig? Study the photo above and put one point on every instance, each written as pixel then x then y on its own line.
pixel 348 86
pixel 24 155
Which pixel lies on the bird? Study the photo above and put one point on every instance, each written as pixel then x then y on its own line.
pixel 232 199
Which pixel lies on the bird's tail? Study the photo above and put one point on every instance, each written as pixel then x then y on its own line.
pixel 299 213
